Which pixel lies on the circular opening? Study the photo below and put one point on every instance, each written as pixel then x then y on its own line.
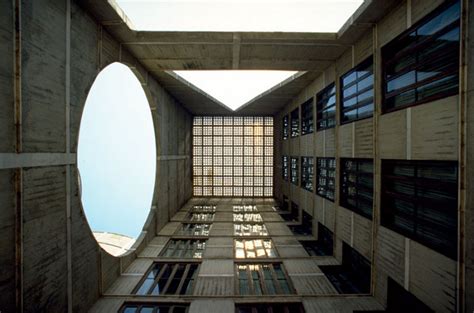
pixel 116 158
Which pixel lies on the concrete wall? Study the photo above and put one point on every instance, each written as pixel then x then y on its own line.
pixel 50 261
pixel 467 152
pixel 216 288
pixel 427 132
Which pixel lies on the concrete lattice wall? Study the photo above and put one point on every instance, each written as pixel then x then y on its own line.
pixel 49 259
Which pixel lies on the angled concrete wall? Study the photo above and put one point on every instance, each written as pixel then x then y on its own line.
pixel 56 264
pixel 434 134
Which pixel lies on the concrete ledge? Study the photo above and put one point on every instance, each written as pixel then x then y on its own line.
pixel 15 160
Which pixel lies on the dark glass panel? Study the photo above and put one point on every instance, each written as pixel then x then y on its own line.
pixel 446 85
pixel 448 16
pixel 419 200
pixel 400 100
pixel 401 81
pixel 326 107
pixel 428 67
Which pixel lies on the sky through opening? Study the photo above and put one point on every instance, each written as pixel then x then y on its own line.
pixel 235 88
pixel 239 15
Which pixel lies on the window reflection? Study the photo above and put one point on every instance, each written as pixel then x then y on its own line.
pixel 250 230
pixel 326 171
pixel 194 230
pixel 423 65
pixel 184 249
pixel 357 92
pixel 262 279
pixel 247 217
pixel 254 248
pixel 168 278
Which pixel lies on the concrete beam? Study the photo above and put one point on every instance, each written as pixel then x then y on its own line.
pixel 236 52
pixel 172 157
pixel 17 160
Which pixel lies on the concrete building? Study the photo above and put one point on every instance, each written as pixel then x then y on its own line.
pixel 360 200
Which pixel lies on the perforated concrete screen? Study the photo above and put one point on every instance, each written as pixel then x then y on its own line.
pixel 233 156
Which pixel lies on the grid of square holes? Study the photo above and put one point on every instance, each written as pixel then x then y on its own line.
pixel 233 156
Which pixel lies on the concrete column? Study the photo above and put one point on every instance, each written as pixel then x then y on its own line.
pixel 466 161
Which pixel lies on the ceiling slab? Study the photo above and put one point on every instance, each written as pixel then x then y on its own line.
pixel 161 52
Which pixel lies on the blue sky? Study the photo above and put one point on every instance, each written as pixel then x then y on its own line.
pixel 117 153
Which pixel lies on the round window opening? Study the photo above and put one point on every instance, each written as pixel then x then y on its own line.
pixel 116 158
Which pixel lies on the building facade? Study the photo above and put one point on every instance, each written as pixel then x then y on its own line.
pixel 345 189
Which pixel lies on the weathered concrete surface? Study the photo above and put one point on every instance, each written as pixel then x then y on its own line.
pixel 7 240
pixel 7 120
pixel 43 76
pixel 44 239
pixel 469 142
pixel 7 144
pixel 45 196
pixel 426 132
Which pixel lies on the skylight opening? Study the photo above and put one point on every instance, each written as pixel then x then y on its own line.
pixel 239 15
pixel 235 88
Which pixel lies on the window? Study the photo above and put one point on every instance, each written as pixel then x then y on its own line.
pixel 204 208
pixel 168 279
pixel 400 300
pixel 286 127
pixel 285 167
pixel 307 173
pixel 291 214
pixel 353 276
pixel 263 279
pixel 294 171
pixel 184 249
pixel 321 247
pixel 201 217
pixel 420 201
pixel 326 177
pixel 154 307
pixel 247 217
pixel 233 156
pixel 326 108
pixel 295 123
pixel 188 229
pixel 244 208
pixel 286 203
pixel 306 226
pixel 307 117
pixel 270 308
pixel 254 248
pixel 422 64
pixel 357 90
pixel 250 230
pixel 357 183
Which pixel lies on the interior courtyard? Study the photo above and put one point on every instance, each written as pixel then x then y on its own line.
pixel 347 187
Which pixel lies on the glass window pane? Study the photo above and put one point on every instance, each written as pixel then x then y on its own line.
pixel 428 53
